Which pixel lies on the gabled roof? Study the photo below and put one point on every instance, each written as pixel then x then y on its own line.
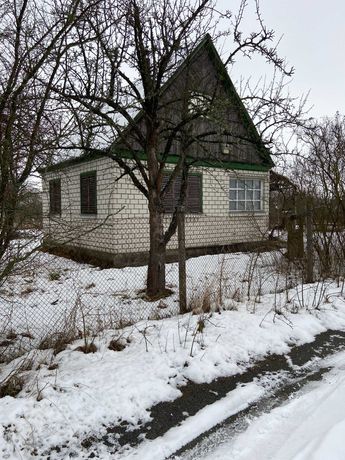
pixel 205 44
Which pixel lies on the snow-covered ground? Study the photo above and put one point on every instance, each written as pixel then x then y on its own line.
pixel 311 426
pixel 72 396
pixel 50 290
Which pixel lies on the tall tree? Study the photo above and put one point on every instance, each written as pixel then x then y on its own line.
pixel 33 40
pixel 116 87
pixel 320 173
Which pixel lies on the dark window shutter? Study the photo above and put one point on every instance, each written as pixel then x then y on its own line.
pixel 88 193
pixel 177 190
pixel 193 198
pixel 55 196
pixel 168 200
pixel 194 194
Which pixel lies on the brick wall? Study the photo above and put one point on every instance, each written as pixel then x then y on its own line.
pixel 90 231
pixel 121 224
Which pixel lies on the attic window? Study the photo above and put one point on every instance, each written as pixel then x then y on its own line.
pixel 199 103
pixel 88 193
pixel 193 198
pixel 55 197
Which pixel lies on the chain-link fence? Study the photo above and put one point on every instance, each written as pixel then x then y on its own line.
pixel 48 301
pixel 52 299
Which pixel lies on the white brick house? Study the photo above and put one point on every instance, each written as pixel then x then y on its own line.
pixel 120 226
pixel 90 204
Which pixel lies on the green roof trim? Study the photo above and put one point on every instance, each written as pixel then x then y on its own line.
pixel 207 44
pixel 231 165
pixel 170 159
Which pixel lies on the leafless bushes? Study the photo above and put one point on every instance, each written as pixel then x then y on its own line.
pixel 269 276
pixel 233 282
pixel 320 176
pixel 82 309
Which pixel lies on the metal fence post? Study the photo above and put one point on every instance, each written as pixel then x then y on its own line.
pixel 182 259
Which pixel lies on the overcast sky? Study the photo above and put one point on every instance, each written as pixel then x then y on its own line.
pixel 313 42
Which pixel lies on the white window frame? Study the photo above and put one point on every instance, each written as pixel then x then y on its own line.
pixel 246 195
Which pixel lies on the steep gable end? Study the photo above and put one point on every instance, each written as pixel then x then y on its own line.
pixel 223 129
pixel 223 136
pixel 237 104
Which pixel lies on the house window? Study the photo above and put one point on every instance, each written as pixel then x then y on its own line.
pixel 246 195
pixel 193 203
pixel 199 104
pixel 88 193
pixel 55 196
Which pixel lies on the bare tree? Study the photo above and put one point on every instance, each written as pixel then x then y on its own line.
pixel 33 40
pixel 320 173
pixel 115 84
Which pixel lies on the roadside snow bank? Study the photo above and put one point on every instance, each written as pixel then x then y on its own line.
pixel 310 427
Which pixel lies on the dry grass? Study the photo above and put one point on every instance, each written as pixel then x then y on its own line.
pixel 54 276
pixel 116 345
pixel 11 386
pixel 87 348
pixel 57 341
pixel 202 301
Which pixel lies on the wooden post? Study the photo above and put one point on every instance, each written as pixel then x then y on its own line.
pixel 182 259
pixel 309 236
pixel 295 243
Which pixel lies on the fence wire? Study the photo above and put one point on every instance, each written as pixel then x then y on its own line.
pixel 52 296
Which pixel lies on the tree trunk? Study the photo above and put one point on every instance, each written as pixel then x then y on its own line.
pixel 8 205
pixel 156 268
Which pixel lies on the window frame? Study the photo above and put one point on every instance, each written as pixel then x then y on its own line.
pixel 199 103
pixel 91 208
pixel 54 208
pixel 187 210
pixel 245 198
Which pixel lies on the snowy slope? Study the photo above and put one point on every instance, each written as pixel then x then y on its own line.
pixel 71 396
pixel 88 392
